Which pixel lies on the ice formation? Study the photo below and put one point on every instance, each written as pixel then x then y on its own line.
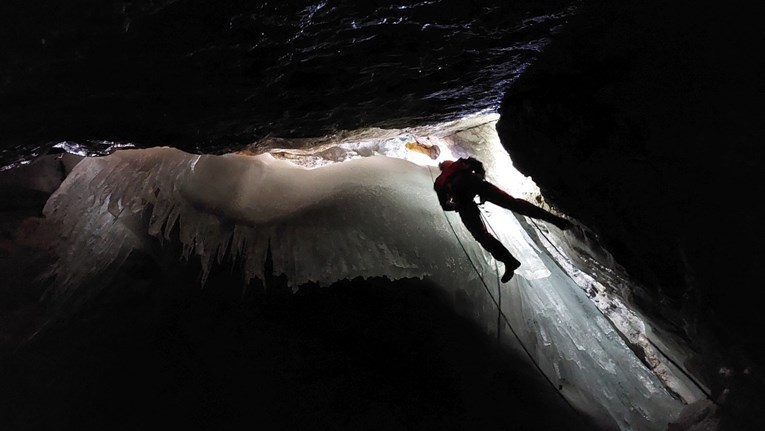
pixel 367 216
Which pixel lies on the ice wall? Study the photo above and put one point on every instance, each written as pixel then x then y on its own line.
pixel 367 217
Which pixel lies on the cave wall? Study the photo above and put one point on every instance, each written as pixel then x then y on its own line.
pixel 642 120
pixel 214 76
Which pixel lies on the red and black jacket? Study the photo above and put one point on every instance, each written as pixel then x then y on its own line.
pixel 453 184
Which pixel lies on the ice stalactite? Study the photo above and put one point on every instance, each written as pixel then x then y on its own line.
pixel 373 216
pixel 360 218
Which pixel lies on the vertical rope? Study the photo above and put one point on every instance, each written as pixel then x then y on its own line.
pixel 672 361
pixel 499 309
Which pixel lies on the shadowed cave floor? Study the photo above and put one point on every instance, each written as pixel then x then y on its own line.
pixel 155 351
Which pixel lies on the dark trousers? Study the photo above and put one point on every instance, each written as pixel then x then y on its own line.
pixel 471 217
pixel 466 187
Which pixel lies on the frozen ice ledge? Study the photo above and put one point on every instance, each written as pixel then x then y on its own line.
pixel 372 216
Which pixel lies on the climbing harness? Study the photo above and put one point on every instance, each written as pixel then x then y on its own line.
pixel 497 303
pixel 502 316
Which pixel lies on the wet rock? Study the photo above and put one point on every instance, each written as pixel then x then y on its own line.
pixel 645 126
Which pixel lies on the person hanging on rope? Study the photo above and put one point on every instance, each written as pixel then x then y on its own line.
pixel 457 186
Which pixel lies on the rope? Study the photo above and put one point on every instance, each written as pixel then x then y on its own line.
pixel 501 314
pixel 545 237
pixel 496 271
pixel 499 309
pixel 699 386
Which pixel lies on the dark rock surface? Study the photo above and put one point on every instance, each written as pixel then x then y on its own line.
pixel 644 120
pixel 210 76
pixel 157 352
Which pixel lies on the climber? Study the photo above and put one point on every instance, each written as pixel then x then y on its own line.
pixel 457 186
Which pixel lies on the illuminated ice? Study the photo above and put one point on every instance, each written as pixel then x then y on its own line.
pixel 370 216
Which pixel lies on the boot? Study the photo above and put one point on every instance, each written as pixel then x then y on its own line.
pixel 510 267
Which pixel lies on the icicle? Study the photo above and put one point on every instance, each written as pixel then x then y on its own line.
pixel 368 217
